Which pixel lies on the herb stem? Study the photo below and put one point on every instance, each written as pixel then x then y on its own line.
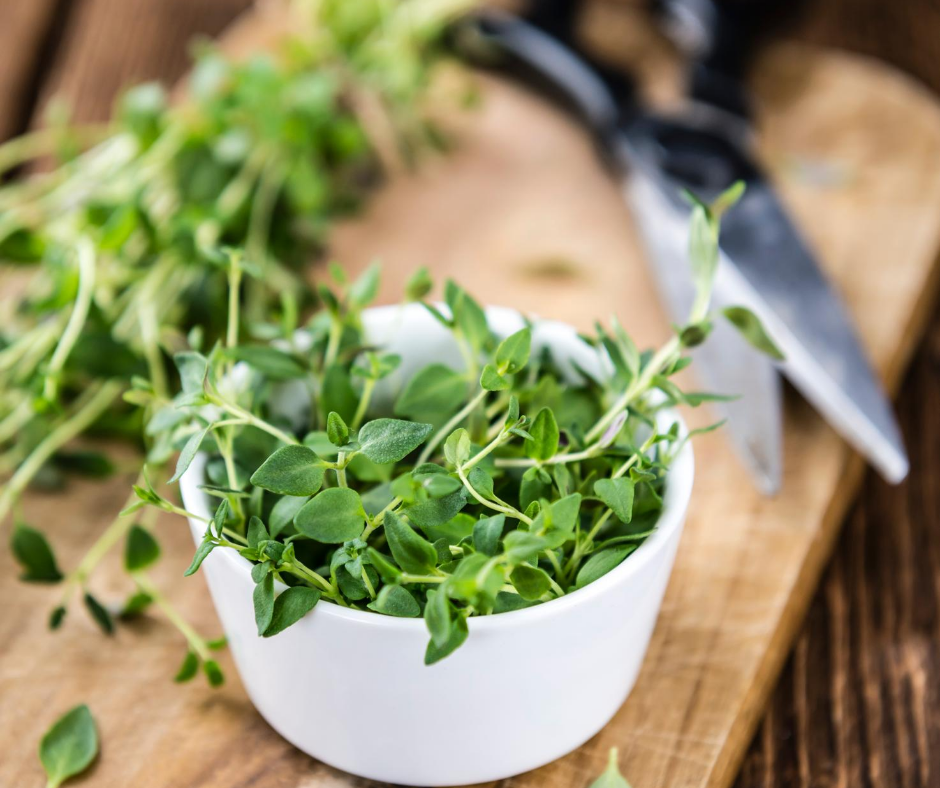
pixel 640 384
pixel 76 322
pixel 444 431
pixel 341 470
pixel 332 345
pixel 367 388
pixel 196 642
pixel 502 506
pixel 98 399
pixel 250 418
pixel 485 451
pixel 234 292
pixel 44 141
pixel 305 573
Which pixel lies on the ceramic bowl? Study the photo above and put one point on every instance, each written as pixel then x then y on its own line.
pixel 350 687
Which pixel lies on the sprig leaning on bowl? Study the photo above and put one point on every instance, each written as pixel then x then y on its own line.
pixel 124 248
pixel 496 487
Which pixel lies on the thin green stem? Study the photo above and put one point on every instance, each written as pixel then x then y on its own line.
pixel 640 384
pixel 98 400
pixel 444 431
pixel 332 343
pixel 409 578
pixel 249 418
pixel 44 141
pixel 234 292
pixel 502 506
pixel 196 642
pixel 367 388
pixel 73 329
pixel 341 470
pixel 558 459
pixel 102 546
pixel 367 582
pixel 377 521
pixel 486 450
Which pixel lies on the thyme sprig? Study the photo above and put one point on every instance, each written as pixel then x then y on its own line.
pixel 180 225
pixel 490 486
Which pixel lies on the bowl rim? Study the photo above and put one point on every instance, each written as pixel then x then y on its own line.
pixel 679 481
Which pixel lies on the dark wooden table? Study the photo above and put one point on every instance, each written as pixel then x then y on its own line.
pixel 859 701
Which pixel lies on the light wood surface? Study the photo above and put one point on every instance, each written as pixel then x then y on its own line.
pixel 523 215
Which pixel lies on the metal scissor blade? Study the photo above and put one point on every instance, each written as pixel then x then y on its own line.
pixel 725 364
pixel 768 268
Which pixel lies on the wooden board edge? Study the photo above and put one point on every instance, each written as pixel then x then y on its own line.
pixel 731 756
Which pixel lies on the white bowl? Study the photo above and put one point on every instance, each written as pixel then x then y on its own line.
pixel 350 687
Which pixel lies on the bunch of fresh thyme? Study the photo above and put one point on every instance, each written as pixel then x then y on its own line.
pixel 124 254
pixel 491 485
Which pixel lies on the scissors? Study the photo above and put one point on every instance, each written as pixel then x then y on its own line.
pixel 765 264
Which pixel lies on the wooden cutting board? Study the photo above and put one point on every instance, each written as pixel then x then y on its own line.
pixel 523 215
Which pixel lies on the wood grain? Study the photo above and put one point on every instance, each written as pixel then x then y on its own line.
pixel 729 615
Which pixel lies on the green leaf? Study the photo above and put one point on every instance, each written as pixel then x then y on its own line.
pixel 56 617
pixel 482 482
pixel 386 569
pixel 523 546
pixel 22 246
pixel 363 291
pixel 290 607
pixel 188 669
pixel 205 547
pixel 213 673
pixel 69 746
pixel 34 554
pixel 222 512
pixel 750 327
pixel 506 602
pixel 336 429
pixel 274 364
pixel 618 495
pixel 332 517
pixel 418 285
pixel 188 453
pixel 530 581
pixel 469 317
pixel 456 638
pixel 192 368
pixel 338 393
pixel 140 549
pixel 390 440
pixel 513 352
pixel 396 601
pixel 437 511
pixel 491 380
pixel 291 470
pixel 545 436
pixel 135 604
pixel 602 562
pixel 283 513
pixel 411 552
pixel 257 533
pixel 457 447
pixel 727 199
pixel 263 600
pixel 100 614
pixel 703 249
pixel 435 390
pixel 437 616
pixel 611 778
pixel 487 533
pixel 561 516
